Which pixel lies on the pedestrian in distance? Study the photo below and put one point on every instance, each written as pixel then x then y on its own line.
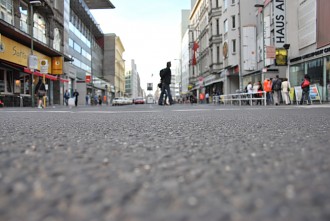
pixel 285 91
pixel 276 87
pixel 268 90
pixel 259 92
pixel 87 99
pixel 76 95
pixel 305 90
pixel 66 97
pixel 100 100
pixel 40 92
pixel 207 97
pixel 166 75
pixel 249 90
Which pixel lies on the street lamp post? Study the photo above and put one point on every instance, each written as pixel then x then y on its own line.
pixel 33 60
pixel 181 83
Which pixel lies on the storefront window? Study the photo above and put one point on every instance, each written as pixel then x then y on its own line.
pixel 9 82
pixel 297 73
pixel 328 79
pixel 2 81
pixel 6 81
pixel 315 71
pixel 24 83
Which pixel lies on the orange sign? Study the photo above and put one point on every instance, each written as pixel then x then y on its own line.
pixel 57 65
pixel 88 79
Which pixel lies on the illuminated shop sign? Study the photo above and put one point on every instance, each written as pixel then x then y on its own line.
pixel 310 55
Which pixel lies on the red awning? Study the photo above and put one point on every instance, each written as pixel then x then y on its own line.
pixel 51 77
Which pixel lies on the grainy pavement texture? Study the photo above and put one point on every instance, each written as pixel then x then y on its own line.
pixel 172 163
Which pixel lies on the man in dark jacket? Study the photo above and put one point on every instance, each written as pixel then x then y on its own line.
pixel 166 81
pixel 276 86
pixel 76 95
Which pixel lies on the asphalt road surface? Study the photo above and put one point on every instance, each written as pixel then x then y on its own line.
pixel 173 163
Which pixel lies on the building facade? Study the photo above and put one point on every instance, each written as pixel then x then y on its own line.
pixel 30 33
pixel 309 38
pixel 133 86
pixel 62 34
pixel 86 47
pixel 233 42
pixel 114 63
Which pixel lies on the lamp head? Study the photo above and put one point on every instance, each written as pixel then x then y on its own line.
pixel 286 46
pixel 259 5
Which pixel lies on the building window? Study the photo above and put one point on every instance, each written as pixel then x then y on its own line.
pixel 6 8
pixel 233 2
pixel 218 29
pixel 234 45
pixel 225 26
pixel 70 42
pixel 297 73
pixel 233 20
pixel 23 8
pixel 57 40
pixel 218 54
pixel 225 5
pixel 217 3
pixel 77 47
pixel 39 28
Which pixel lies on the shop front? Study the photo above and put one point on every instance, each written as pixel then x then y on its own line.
pixel 317 66
pixel 17 81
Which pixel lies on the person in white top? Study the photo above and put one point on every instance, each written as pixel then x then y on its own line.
pixel 285 91
pixel 249 89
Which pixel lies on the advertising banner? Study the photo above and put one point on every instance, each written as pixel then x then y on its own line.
pixel 314 93
pixel 298 93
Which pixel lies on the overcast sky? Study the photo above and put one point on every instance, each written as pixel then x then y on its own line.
pixel 149 31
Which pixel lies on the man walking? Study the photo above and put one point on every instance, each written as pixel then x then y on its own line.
pixel 66 97
pixel 277 84
pixel 166 75
pixel 75 95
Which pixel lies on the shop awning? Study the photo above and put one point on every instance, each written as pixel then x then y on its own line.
pixel 214 81
pixel 48 76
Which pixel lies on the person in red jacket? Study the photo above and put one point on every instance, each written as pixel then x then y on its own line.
pixel 305 90
pixel 268 90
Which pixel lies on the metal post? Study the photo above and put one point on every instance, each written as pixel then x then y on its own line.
pixel 31 33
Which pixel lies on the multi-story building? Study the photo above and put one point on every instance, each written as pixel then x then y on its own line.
pixel 115 63
pixel 62 34
pixel 185 63
pixel 87 48
pixel 132 81
pixel 199 39
pixel 216 37
pixel 309 37
pixel 30 32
